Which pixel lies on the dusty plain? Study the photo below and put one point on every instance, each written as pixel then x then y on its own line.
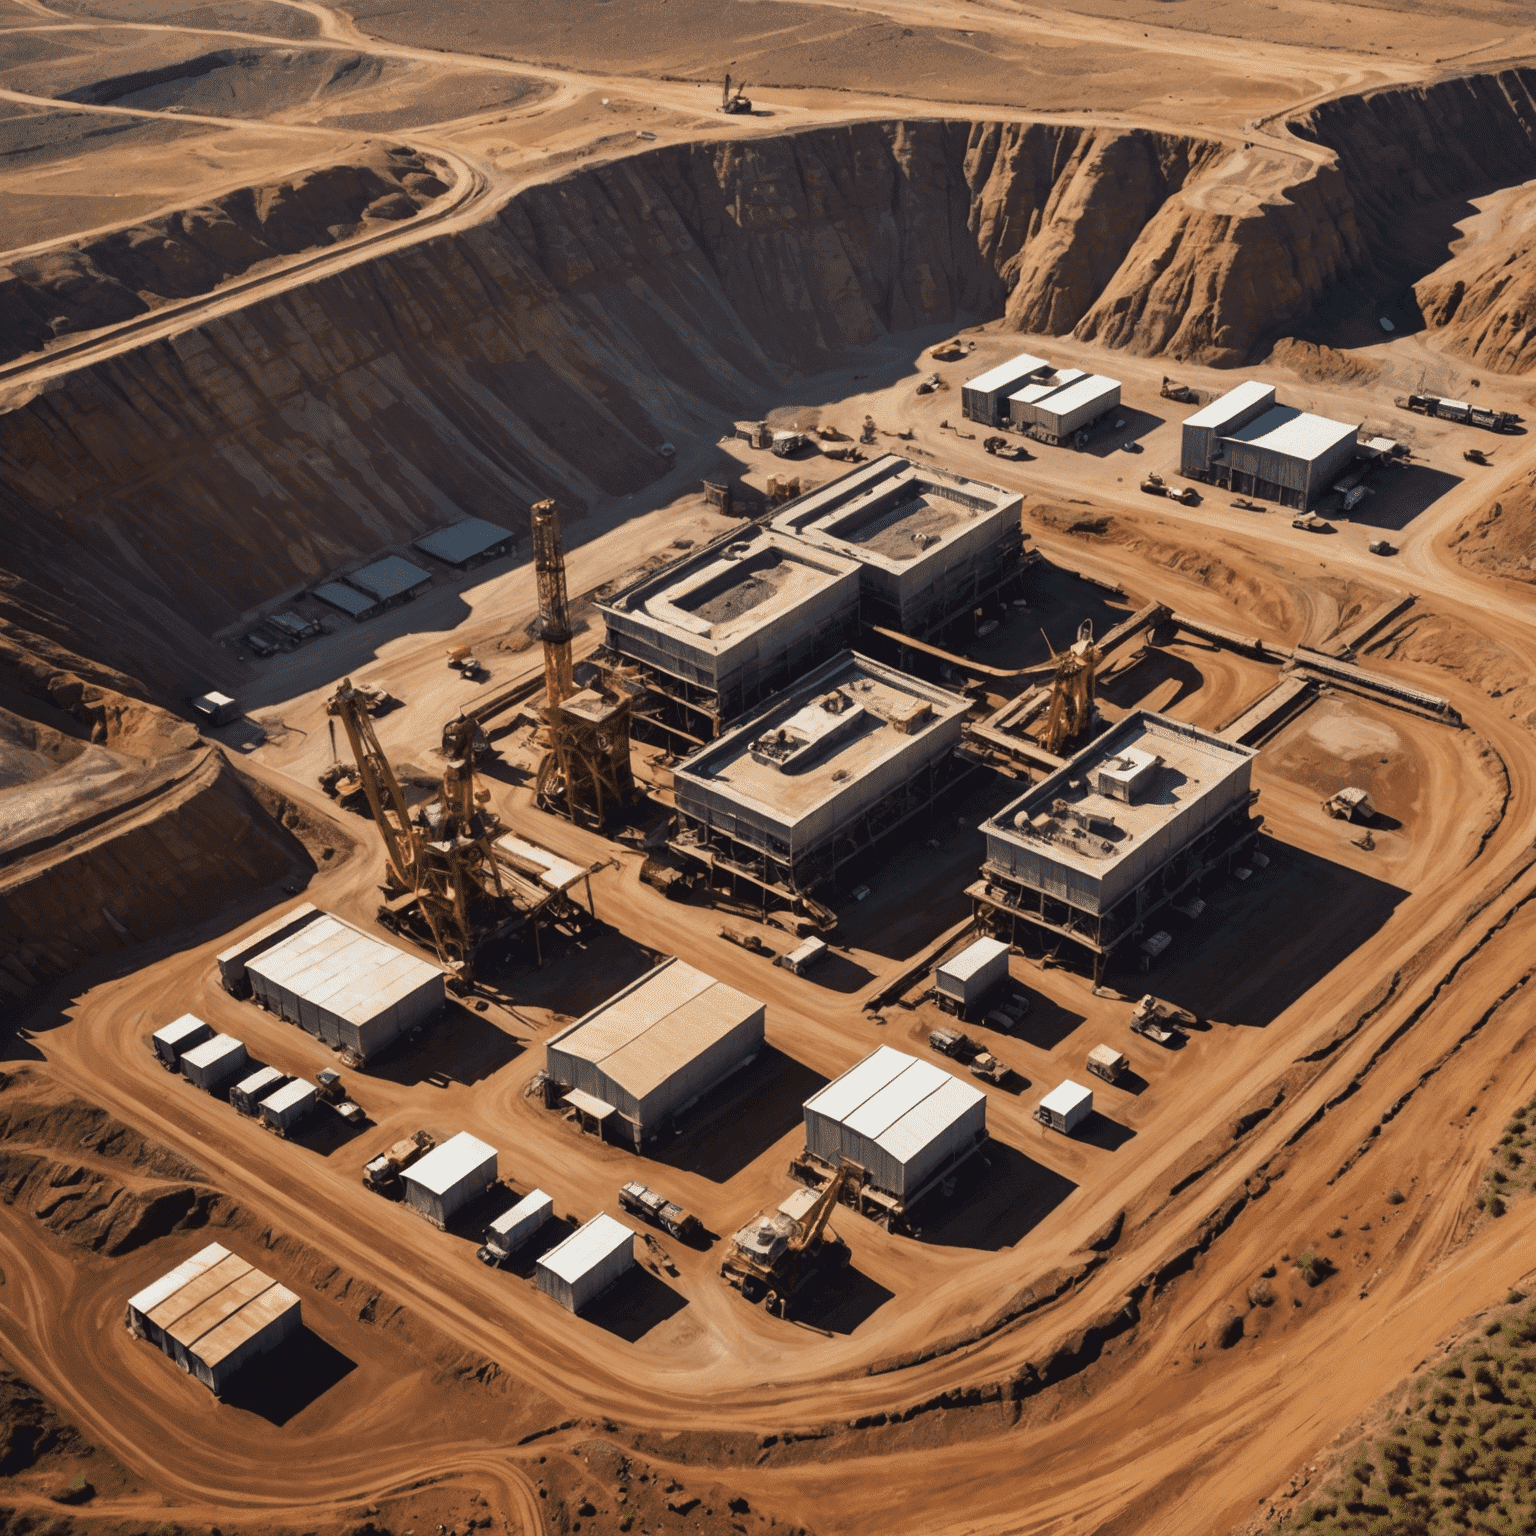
pixel 287 284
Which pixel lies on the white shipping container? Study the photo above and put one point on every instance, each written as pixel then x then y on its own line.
pixel 1065 1107
pixel 248 1093
pixel 593 1258
pixel 449 1177
pixel 214 1062
pixel 283 1110
pixel 180 1035
pixel 970 975
pixel 232 960
pixel 518 1223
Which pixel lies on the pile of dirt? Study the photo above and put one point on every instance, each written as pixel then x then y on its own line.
pixel 1320 364
pixel 1501 541
pixel 79 287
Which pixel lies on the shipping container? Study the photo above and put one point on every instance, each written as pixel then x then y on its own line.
pixel 803 956
pixel 1065 1107
pixel 284 1110
pixel 180 1035
pixel 519 1223
pixel 213 1063
pixel 248 1093
pixel 966 978
pixel 450 1177
pixel 593 1258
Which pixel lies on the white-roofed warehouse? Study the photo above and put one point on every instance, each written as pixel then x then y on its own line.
pixel 450 1177
pixel 906 1122
pixel 594 1257
pixel 344 986
pixel 214 1313
pixel 654 1049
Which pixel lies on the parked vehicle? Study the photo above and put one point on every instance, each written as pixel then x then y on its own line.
pixel 329 1090
pixel 1159 1020
pixel 641 1201
pixel 383 1172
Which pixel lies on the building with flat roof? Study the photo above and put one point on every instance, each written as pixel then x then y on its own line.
pixel 1061 415
pixel 449 1177
pixel 930 544
pixel 467 544
pixel 213 1314
pixel 337 594
pixel 816 776
pixel 985 398
pixel 723 627
pixel 1248 443
pixel 652 1051
pixel 594 1258
pixel 1093 852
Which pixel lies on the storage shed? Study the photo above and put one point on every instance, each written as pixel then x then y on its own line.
pixel 390 580
pixel 283 1110
pixel 1202 432
pixel 232 961
pixel 216 708
pixel 519 1223
pixel 594 1257
pixel 450 1177
pixel 655 1048
pixel 905 1121
pixel 248 1093
pixel 468 543
pixel 210 1065
pixel 180 1035
pixel 337 594
pixel 1073 409
pixel 985 397
pixel 344 986
pixel 214 1313
pixel 1065 1107
pixel 966 978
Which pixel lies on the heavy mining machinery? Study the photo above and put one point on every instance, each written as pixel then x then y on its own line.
pixel 1071 710
pixel 734 104
pixel 773 1255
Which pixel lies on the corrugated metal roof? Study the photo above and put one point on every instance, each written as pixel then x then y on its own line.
pixel 389 577
pixel 218 1308
pixel 531 1203
pixel 844 1094
pixel 212 1051
pixel 587 1247
pixel 334 965
pixel 167 1285
pixel 444 1166
pixel 589 1104
pixel 292 915
pixel 1085 390
pixel 287 1096
pixel 1236 400
pixel 198 1289
pixel 974 957
pixel 252 1085
pixel 903 1093
pixel 1297 434
pixel 929 1119
pixel 179 1029
pixel 556 873
pixel 259 1312
pixel 341 596
pixel 463 541
pixel 1065 1097
pixel 1005 373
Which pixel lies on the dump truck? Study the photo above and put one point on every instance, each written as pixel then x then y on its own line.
pixel 1158 1020
pixel 1352 804
pixel 329 1090
pixel 951 1042
pixel 1106 1062
pixel 1475 456
pixel 342 782
pixel 383 1172
pixel 641 1201
pixel 1310 522
pixel 464 661
pixel 989 1069
pixel 1154 485
pixel 1381 547
pixel 1173 390
pixel 775 1254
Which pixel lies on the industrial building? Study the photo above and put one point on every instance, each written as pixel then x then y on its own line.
pixel 817 776
pixel 907 1123
pixel 450 1177
pixel 930 544
pixel 390 580
pixel 285 1108
pixel 1247 443
pixel 231 961
pixel 337 594
pixel 1057 411
pixel 213 1314
pixel 640 1059
pixel 1091 853
pixel 962 983
pixel 714 633
pixel 985 398
pixel 342 985
pixel 468 544
pixel 593 1258
pixel 248 1093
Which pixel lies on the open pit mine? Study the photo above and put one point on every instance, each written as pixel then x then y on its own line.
pixel 767 768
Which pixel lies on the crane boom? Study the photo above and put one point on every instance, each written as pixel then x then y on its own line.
pixel 554 606
pixel 385 798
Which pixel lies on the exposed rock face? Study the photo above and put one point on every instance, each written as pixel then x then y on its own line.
pixel 1501 539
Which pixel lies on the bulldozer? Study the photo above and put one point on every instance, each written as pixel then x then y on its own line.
pixel 773 1255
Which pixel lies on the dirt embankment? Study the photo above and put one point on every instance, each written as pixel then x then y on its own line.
pixel 1501 539
pixel 81 286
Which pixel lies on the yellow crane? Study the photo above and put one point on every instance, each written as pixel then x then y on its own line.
pixel 1071 710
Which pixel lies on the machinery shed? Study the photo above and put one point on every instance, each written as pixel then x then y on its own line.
pixel 337 594
pixel 284 1109
pixel 248 1093
pixel 468 543
pixel 232 960
pixel 450 1177
pixel 1288 456
pixel 593 1258
pixel 985 397
pixel 347 988
pixel 390 580
pixel 1022 406
pixel 655 1048
pixel 903 1120
pixel 213 1314
pixel 1202 432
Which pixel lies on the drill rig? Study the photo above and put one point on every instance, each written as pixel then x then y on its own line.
pixel 1071 711
pixel 586 772
pixel 442 885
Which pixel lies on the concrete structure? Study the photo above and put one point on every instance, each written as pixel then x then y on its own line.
pixel 817 776
pixel 171 1040
pixel 985 397
pixel 284 1110
pixel 232 960
pixel 1249 444
pixel 347 988
pixel 213 1314
pixel 930 544
pixel 337 594
pixel 390 580
pixel 652 1050
pixel 450 1177
pixel 1065 1107
pixel 248 1093
pixel 593 1258
pixel 212 1064
pixel 1094 850
pixel 720 629
pixel 906 1122
pixel 466 544
pixel 965 979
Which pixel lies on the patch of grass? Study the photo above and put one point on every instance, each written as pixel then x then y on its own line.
pixel 1462 1456
pixel 1511 1171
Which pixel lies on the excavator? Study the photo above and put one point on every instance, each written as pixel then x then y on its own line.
pixel 773 1255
